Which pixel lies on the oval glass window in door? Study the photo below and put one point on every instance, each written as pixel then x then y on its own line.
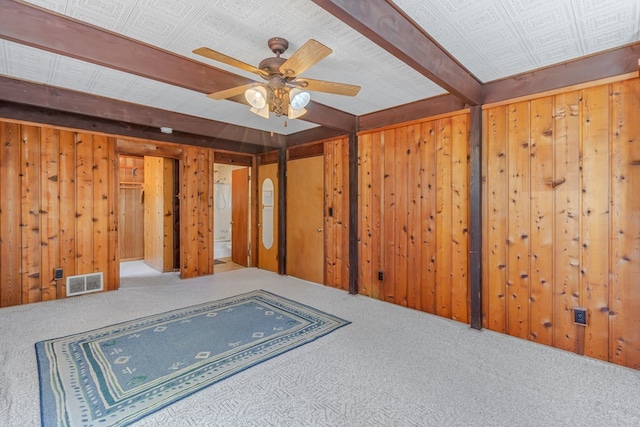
pixel 267 213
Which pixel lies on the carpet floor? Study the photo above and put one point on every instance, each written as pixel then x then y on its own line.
pixel 391 367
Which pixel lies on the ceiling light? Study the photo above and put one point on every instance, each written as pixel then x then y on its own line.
pixel 256 97
pixel 294 114
pixel 299 98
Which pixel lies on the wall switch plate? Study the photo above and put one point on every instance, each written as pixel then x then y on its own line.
pixel 580 316
pixel 58 273
pixel 381 275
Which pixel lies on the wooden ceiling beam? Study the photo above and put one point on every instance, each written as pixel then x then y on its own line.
pixel 37 95
pixel 599 66
pixel 75 39
pixel 412 111
pixel 386 26
pixel 67 120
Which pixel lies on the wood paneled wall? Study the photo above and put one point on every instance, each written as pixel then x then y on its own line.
pixel 561 220
pixel 196 212
pixel 58 198
pixel 336 207
pixel 413 210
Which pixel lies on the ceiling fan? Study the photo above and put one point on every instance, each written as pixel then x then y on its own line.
pixel 284 92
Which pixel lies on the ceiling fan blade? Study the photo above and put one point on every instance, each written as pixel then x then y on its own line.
pixel 325 86
pixel 229 93
pixel 309 54
pixel 221 57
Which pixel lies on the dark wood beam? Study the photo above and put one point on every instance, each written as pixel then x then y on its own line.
pixel 24 23
pixel 594 67
pixel 312 135
pixel 386 26
pixel 353 215
pixel 39 95
pixel 45 116
pixel 413 111
pixel 282 211
pixel 475 215
pixel 40 28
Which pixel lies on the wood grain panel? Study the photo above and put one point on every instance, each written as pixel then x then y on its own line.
pixel 567 219
pixel 400 227
pixel 50 211
pixel 495 243
pixel 365 226
pixel 84 203
pixel 10 216
pixel 336 202
pixel 240 216
pixel 625 224
pixel 388 233
pixel 444 244
pixel 100 214
pixel 541 222
pixel 268 258
pixel 67 185
pixel 518 223
pixel 428 185
pixel 415 175
pixel 31 250
pixel 594 267
pixel 460 218
pixel 583 219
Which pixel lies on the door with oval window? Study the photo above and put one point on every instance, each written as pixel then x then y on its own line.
pixel 268 217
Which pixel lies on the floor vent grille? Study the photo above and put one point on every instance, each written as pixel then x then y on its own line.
pixel 84 284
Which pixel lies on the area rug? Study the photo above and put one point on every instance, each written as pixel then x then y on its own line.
pixel 116 375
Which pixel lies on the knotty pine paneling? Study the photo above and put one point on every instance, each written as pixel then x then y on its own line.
pixel 336 200
pixel 562 221
pixel 59 201
pixel 58 210
pixel 413 209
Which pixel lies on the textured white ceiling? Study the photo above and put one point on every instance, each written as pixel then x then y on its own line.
pixel 492 38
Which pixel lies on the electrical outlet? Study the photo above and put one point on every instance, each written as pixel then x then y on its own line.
pixel 381 275
pixel 58 273
pixel 580 316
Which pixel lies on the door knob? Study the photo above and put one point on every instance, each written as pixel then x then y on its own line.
pixel 319 229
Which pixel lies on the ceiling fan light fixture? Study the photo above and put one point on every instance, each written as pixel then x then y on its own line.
pixel 256 97
pixel 262 112
pixel 294 114
pixel 298 99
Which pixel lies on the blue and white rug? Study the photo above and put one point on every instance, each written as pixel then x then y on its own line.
pixel 116 375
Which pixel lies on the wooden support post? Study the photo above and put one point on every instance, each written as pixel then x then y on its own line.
pixel 475 216
pixel 353 213
pixel 282 210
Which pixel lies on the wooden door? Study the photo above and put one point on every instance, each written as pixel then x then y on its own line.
pixel 305 219
pixel 240 216
pixel 268 217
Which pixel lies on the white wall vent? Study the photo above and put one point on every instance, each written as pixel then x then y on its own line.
pixel 84 284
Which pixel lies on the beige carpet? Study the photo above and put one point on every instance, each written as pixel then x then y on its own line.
pixel 390 367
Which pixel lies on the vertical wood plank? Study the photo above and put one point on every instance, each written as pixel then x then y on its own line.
pixel 567 218
pixel 518 233
pixel 10 215
pixel 460 218
pixel 189 214
pixel 388 236
pixel 377 204
pixel 443 218
pixel 402 154
pixel 84 203
pixel 340 213
pixel 329 222
pixel 365 231
pixel 414 218
pixel 541 221
pixel 429 182
pixel 31 249
pixel 67 185
pixel 350 215
pixel 100 214
pixel 594 289
pixel 495 293
pixel 625 224
pixel 50 212
pixel 112 282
